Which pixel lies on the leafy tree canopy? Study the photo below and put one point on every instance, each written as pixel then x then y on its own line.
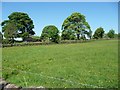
pixel 111 33
pixel 1 37
pixel 68 35
pixel 50 33
pixel 118 35
pixel 99 33
pixel 22 22
pixel 10 31
pixel 77 22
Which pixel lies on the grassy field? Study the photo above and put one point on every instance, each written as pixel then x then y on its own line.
pixel 92 64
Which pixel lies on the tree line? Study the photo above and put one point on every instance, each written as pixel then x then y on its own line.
pixel 74 27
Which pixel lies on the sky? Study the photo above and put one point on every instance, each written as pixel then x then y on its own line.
pixel 98 14
pixel 119 17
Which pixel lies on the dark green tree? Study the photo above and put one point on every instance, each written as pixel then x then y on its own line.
pixel 77 22
pixel 118 35
pixel 10 31
pixel 99 33
pixel 1 37
pixel 23 23
pixel 111 33
pixel 50 33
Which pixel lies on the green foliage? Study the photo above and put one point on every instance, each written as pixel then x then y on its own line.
pixel 1 37
pixel 118 35
pixel 89 34
pixel 77 22
pixel 6 41
pixel 50 33
pixel 111 33
pixel 25 35
pixel 68 35
pixel 99 33
pixel 36 38
pixel 83 37
pixel 10 31
pixel 91 63
pixel 22 22
pixel 105 36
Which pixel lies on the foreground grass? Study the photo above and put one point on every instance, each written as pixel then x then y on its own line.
pixel 0 62
pixel 92 64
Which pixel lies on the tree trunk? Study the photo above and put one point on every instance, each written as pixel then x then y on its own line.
pixel 78 36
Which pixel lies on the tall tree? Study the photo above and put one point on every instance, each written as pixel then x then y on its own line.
pixel 23 23
pixel 10 31
pixel 99 33
pixel 118 35
pixel 77 22
pixel 50 33
pixel 1 37
pixel 111 33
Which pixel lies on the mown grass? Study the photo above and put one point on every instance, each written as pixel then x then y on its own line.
pixel 80 65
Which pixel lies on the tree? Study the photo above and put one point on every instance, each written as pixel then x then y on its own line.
pixel 1 37
pixel 68 35
pixel 10 31
pixel 50 33
pixel 105 36
pixel 111 33
pixel 89 34
pixel 118 35
pixel 23 23
pixel 99 33
pixel 77 22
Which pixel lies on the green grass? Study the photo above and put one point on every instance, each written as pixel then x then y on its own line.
pixel 0 62
pixel 79 65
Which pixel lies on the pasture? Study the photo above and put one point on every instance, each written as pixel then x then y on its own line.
pixel 79 65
